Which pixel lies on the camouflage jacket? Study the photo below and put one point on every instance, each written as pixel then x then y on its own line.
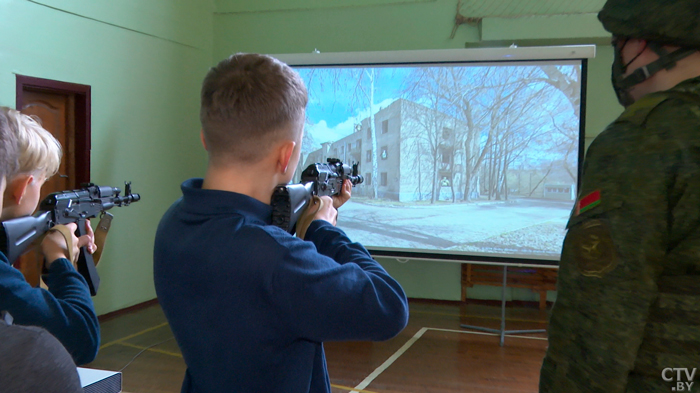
pixel 628 301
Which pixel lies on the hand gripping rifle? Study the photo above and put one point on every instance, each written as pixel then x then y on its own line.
pixel 289 200
pixel 62 208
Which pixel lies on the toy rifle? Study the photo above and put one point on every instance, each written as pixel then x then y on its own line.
pixel 289 200
pixel 65 207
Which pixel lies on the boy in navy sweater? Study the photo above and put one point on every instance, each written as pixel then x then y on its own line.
pixel 32 359
pixel 249 304
pixel 65 309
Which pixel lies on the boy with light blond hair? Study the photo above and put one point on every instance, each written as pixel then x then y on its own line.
pixel 65 309
pixel 39 159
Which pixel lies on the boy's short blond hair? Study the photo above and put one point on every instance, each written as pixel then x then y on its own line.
pixel 8 148
pixel 248 101
pixel 39 151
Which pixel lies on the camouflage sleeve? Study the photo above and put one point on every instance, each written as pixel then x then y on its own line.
pixel 613 254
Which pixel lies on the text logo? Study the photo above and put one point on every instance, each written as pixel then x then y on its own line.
pixel 682 378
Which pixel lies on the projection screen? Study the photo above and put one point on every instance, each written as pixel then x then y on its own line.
pixel 467 155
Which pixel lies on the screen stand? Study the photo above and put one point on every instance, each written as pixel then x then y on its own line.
pixel 502 331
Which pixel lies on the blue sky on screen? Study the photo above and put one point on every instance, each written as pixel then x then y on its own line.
pixel 334 111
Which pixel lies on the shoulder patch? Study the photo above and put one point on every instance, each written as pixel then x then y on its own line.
pixel 588 202
pixel 595 253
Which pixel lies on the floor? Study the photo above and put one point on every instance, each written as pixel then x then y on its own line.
pixel 433 354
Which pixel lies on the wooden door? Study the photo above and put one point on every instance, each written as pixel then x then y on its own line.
pixel 55 111
pixel 63 109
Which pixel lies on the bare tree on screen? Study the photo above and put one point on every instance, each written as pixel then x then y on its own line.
pixel 414 145
pixel 568 81
pixel 506 109
pixel 520 128
pixel 464 86
pixel 492 102
pixel 452 91
pixel 363 82
pixel 423 128
pixel 568 143
pixel 505 102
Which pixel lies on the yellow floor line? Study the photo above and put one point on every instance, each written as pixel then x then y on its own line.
pixel 151 349
pixel 109 344
pixel 121 340
pixel 348 388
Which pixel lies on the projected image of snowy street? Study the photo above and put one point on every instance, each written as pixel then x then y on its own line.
pixel 477 159
pixel 521 227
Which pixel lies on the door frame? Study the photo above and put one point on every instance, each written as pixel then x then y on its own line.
pixel 82 116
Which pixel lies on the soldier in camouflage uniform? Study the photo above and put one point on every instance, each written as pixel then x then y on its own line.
pixel 628 303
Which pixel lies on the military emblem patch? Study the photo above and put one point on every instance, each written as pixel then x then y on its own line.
pixel 594 250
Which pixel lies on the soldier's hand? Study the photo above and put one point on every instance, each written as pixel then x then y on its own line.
pixel 343 196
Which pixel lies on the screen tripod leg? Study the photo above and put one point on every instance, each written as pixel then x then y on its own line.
pixel 502 332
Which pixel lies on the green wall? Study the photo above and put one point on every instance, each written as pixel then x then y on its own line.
pixel 145 61
pixel 303 26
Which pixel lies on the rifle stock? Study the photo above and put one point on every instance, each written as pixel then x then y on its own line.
pixel 17 234
pixel 288 204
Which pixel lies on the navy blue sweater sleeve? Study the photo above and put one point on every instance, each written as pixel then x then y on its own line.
pixel 65 310
pixel 330 288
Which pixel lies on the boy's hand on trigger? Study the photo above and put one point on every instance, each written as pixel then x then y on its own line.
pixel 327 211
pixel 54 244
pixel 343 196
pixel 88 239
